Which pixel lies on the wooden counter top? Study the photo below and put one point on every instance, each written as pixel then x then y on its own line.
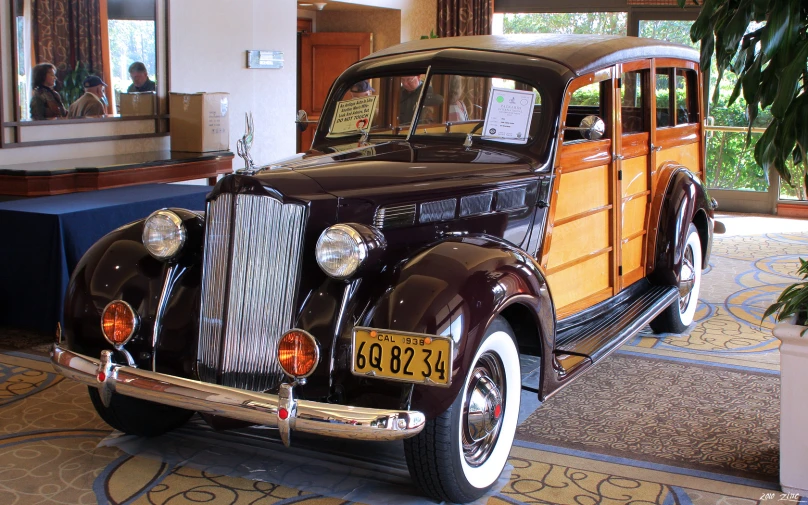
pixel 99 172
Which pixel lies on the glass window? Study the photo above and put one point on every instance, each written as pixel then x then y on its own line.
pixel 600 23
pixel 458 104
pixel 663 98
pixel 585 101
pixel 453 105
pixel 687 103
pixel 633 109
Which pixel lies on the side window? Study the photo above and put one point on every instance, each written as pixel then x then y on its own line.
pixel 663 98
pixel 585 101
pixel 687 109
pixel 633 105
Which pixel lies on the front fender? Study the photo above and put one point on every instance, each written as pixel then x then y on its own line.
pixel 684 201
pixel 456 288
pixel 118 267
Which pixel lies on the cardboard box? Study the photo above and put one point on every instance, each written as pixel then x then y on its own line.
pixel 138 104
pixel 199 122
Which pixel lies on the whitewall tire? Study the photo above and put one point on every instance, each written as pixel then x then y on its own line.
pixel 461 453
pixel 679 315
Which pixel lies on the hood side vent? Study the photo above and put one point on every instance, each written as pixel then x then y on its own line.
pixel 394 216
pixel 510 199
pixel 440 210
pixel 476 204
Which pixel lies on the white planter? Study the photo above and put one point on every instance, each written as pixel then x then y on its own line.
pixel 793 407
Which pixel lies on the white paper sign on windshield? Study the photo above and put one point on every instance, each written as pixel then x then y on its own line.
pixel 509 115
pixel 353 115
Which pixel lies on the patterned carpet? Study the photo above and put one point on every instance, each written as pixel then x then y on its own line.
pixel 670 419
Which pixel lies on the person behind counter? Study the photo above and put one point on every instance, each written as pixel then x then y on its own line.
pixel 91 102
pixel 45 101
pixel 140 79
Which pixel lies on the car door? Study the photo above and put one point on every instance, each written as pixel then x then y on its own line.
pixel 580 251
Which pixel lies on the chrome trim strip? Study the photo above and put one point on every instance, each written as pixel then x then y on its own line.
pixel 341 421
pixel 214 273
pixel 168 286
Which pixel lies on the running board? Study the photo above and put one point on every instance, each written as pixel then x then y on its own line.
pixel 587 340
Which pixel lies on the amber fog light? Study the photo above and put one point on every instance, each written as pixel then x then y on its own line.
pixel 118 322
pixel 298 353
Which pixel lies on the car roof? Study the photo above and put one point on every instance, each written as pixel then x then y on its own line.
pixel 579 53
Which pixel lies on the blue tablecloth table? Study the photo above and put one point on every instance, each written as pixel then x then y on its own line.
pixel 42 240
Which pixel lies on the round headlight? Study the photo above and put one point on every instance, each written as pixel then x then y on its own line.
pixel 163 234
pixel 340 251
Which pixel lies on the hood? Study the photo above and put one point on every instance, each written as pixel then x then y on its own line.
pixel 399 167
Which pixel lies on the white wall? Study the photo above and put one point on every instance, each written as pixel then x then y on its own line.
pixel 208 43
pixel 209 40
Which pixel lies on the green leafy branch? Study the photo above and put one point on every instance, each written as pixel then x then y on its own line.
pixel 770 62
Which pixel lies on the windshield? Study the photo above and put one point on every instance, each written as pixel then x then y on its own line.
pixel 453 105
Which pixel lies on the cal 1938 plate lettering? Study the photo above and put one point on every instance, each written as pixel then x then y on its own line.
pixel 401 356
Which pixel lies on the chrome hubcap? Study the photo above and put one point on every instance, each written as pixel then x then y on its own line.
pixel 687 279
pixel 483 408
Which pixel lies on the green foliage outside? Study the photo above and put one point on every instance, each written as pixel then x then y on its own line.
pixel 609 23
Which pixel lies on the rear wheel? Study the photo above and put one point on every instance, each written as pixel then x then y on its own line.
pixel 460 454
pixel 138 417
pixel 678 316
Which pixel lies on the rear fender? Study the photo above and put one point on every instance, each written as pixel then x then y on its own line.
pixel 456 288
pixel 684 201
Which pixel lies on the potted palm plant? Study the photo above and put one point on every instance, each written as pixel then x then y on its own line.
pixel 791 310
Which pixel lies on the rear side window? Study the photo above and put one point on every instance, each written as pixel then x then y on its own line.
pixel 676 97
pixel 634 115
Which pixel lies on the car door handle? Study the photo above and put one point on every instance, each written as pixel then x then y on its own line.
pixel 617 157
pixel 656 148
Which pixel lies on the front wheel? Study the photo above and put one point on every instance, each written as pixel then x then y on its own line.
pixel 678 316
pixel 460 454
pixel 134 416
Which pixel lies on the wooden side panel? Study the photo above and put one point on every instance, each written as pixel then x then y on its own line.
pixel 632 254
pixel 581 191
pixel 686 155
pixel 635 175
pixel 634 216
pixel 580 281
pixel 579 238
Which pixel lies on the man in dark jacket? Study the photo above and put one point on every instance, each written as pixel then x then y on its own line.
pixel 140 79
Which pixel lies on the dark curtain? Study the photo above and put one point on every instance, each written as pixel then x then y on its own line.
pixel 67 32
pixel 464 17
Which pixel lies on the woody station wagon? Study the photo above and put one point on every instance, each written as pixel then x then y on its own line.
pixel 485 199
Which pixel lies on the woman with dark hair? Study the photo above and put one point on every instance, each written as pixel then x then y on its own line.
pixel 45 101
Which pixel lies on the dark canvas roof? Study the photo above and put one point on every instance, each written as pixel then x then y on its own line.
pixel 580 53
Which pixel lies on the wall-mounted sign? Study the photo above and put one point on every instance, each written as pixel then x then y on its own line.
pixel 264 59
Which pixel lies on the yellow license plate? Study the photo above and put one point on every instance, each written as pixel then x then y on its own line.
pixel 400 356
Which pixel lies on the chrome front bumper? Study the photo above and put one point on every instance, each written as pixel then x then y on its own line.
pixel 283 410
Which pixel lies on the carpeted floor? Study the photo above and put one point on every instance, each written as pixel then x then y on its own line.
pixel 668 419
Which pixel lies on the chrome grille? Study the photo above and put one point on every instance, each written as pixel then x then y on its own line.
pixel 248 304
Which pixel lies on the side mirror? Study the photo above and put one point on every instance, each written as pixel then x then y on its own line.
pixel 591 128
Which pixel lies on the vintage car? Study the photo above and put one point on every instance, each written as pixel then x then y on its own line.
pixel 484 200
